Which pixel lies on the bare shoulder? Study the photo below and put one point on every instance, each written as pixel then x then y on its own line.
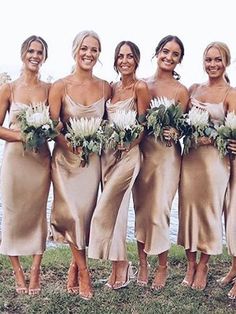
pixel 193 87
pixel 141 85
pixel 5 90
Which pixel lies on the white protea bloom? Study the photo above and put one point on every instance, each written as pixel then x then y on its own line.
pixel 84 126
pixel 198 117
pixel 4 78
pixel 230 120
pixel 156 102
pixel 123 119
pixel 37 115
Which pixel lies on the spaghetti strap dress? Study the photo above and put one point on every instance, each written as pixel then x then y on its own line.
pixel 154 191
pixel 203 185
pixel 109 222
pixel 75 187
pixel 230 211
pixel 25 182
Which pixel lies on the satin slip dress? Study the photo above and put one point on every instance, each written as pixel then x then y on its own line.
pixel 203 184
pixel 25 182
pixel 75 187
pixel 154 191
pixel 109 222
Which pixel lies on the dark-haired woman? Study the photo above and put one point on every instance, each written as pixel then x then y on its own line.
pixel 25 175
pixel 109 222
pixel 157 182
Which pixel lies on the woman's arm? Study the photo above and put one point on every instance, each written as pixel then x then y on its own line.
pixel 6 133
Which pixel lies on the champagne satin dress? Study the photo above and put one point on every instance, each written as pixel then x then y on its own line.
pixel 25 182
pixel 230 211
pixel 203 185
pixel 75 187
pixel 109 222
pixel 153 193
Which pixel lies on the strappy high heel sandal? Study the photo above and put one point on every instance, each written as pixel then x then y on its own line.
pixel 20 287
pixel 72 281
pixel 34 289
pixel 129 275
pixel 141 282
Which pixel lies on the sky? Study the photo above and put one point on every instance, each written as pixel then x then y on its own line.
pixel 196 23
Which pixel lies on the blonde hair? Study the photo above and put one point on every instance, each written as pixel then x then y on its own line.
pixel 224 51
pixel 77 42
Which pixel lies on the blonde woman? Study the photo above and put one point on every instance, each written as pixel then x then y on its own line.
pixel 204 174
pixel 80 94
pixel 25 175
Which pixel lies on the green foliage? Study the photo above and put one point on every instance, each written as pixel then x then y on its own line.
pixel 224 134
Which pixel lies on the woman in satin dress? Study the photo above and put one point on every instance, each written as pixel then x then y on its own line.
pixel 25 175
pixel 204 174
pixel 157 182
pixel 109 222
pixel 80 94
pixel 230 219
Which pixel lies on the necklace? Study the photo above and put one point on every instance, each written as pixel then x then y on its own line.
pixel 130 84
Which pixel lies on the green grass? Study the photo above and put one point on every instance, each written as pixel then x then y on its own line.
pixel 134 299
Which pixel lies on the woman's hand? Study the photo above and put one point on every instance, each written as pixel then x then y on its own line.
pixel 204 140
pixel 232 146
pixel 171 134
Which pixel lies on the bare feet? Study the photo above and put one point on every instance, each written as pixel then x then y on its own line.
pixel 142 279
pixel 72 279
pixel 85 288
pixel 34 285
pixel 200 278
pixel 228 279
pixel 232 292
pixel 160 277
pixel 189 276
pixel 20 281
pixel 124 273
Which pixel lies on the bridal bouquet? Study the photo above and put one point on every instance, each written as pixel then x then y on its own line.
pixel 199 125
pixel 123 130
pixel 85 134
pixel 36 126
pixel 225 132
pixel 165 114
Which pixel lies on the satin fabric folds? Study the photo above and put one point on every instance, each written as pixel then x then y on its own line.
pixel 75 187
pixel 203 184
pixel 153 193
pixel 25 182
pixel 109 222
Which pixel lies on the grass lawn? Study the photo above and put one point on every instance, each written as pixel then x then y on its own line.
pixel 133 299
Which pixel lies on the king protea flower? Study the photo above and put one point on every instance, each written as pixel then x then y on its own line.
pixel 158 101
pixel 83 127
pixel 37 115
pixel 198 117
pixel 123 119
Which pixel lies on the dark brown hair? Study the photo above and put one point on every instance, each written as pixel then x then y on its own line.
pixel 135 51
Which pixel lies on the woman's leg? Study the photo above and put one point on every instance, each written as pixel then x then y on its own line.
pixel 230 276
pixel 72 279
pixel 200 278
pixel 161 272
pixel 191 268
pixel 34 285
pixel 19 275
pixel 85 287
pixel 142 279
